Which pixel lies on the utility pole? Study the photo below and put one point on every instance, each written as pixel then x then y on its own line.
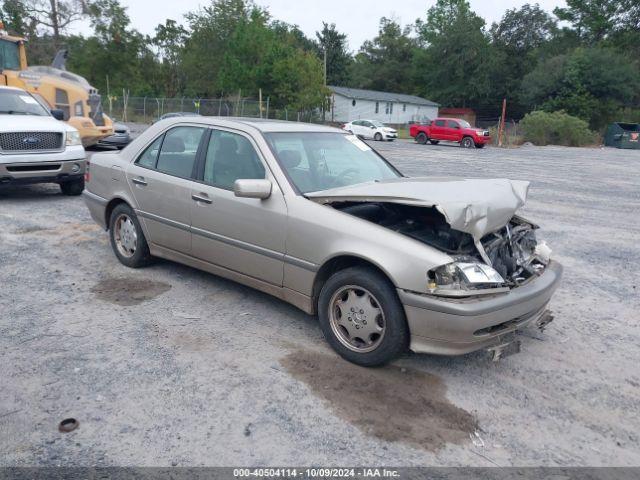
pixel 325 65
pixel 501 126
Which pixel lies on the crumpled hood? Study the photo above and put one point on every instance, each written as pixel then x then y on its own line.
pixel 474 206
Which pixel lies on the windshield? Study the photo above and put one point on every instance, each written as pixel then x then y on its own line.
pixel 18 102
pixel 9 56
pixel 464 124
pixel 320 161
pixel 378 124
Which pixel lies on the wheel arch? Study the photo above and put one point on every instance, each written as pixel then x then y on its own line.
pixel 113 203
pixel 338 263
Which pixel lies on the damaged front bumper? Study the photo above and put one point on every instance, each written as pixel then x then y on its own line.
pixel 447 326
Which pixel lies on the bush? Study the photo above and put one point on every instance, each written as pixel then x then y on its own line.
pixel 556 128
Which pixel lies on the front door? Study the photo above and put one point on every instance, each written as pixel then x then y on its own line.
pixel 161 180
pixel 246 235
pixel 453 131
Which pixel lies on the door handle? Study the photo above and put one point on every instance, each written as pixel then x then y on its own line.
pixel 203 199
pixel 139 181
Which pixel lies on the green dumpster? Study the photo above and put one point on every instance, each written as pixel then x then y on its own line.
pixel 623 135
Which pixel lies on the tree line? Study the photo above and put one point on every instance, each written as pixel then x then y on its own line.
pixel 582 59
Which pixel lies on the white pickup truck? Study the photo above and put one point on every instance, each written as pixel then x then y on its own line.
pixel 35 147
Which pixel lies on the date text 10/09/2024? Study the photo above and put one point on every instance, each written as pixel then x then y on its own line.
pixel 316 472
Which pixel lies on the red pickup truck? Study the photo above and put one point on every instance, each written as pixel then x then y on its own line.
pixel 452 130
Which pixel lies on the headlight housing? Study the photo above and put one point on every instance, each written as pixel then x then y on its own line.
pixel 73 138
pixel 463 279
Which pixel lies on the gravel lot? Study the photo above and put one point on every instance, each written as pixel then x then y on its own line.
pixel 170 366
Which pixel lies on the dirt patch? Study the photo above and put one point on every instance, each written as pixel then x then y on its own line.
pixel 392 403
pixel 128 291
pixel 69 232
pixel 32 229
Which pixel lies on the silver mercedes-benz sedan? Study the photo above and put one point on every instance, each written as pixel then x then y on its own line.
pixel 314 216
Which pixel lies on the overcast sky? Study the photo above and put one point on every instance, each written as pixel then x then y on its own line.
pixel 357 18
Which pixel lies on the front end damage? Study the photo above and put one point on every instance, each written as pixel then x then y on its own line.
pixel 493 278
pixel 512 251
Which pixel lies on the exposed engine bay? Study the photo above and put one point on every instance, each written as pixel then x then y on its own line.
pixel 512 251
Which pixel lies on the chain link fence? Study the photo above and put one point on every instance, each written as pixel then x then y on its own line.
pixel 149 109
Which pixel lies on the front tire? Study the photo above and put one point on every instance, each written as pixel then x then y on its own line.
pixel 362 318
pixel 377 137
pixel 422 138
pixel 467 142
pixel 72 188
pixel 127 238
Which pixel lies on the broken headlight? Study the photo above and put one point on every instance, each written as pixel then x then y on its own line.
pixel 461 279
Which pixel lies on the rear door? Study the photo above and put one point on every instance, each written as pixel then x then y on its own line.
pixel 246 235
pixel 160 180
pixel 437 129
pixel 357 129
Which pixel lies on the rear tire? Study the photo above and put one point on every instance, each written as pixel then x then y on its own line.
pixel 422 138
pixel 378 137
pixel 72 188
pixel 127 238
pixel 361 301
pixel 467 142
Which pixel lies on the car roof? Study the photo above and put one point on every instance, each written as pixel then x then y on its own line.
pixel 261 124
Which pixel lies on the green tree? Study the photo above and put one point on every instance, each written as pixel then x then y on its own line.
pixel 516 42
pixel 384 63
pixel 170 39
pixel 292 35
pixel 592 20
pixel 116 51
pixel 15 17
pixel 453 65
pixel 338 59
pixel 258 57
pixel 523 30
pixel 590 83
pixel 211 30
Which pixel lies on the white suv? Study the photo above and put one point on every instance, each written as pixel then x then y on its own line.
pixel 35 147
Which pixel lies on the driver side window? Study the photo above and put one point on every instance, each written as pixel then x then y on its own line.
pixel 231 157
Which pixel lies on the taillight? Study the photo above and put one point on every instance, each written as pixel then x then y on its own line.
pixel 87 175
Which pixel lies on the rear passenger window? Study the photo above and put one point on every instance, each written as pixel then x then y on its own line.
pixel 439 123
pixel 178 152
pixel 231 157
pixel 150 155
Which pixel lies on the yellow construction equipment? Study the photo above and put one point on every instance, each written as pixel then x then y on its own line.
pixel 55 88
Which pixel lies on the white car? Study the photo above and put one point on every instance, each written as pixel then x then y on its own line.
pixel 372 129
pixel 35 147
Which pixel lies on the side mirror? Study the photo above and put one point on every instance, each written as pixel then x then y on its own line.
pixel 246 188
pixel 57 114
pixel 373 127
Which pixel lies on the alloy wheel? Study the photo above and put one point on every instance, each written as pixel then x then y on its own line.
pixel 125 235
pixel 356 318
